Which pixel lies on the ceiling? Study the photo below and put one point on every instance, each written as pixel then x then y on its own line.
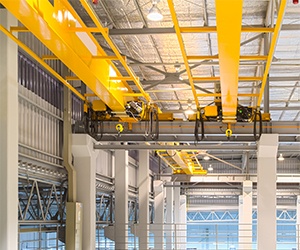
pixel 179 77
pixel 154 54
pixel 153 51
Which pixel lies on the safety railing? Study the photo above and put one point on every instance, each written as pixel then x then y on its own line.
pixel 194 236
pixel 43 236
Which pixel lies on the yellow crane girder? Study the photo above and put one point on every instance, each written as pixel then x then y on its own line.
pixel 229 27
pixel 182 162
pixel 51 24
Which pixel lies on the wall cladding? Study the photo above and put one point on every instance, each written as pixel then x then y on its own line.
pixel 41 113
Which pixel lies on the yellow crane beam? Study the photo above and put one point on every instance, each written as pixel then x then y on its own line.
pixel 229 27
pixel 104 32
pixel 50 24
pixel 182 48
pixel 275 36
pixel 41 62
pixel 182 162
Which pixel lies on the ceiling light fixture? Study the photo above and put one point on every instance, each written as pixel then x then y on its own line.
pixel 189 110
pixel 177 67
pixel 210 168
pixel 206 157
pixel 280 158
pixel 155 13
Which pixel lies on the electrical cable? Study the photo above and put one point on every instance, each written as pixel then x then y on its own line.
pixel 96 127
pixel 257 136
pixel 154 128
pixel 199 122
pixel 151 129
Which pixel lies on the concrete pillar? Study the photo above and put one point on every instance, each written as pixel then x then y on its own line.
pixel 176 196
pixel 8 136
pixel 266 191
pixel 85 158
pixel 245 216
pixel 159 206
pixel 183 220
pixel 144 188
pixel 121 199
pixel 298 222
pixel 169 218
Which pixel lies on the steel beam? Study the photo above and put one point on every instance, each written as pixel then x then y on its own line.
pixel 215 79
pixel 220 146
pixel 273 43
pixel 171 30
pixel 105 35
pixel 190 138
pixel 183 131
pixel 229 26
pixel 68 47
pixel 216 57
pixel 41 61
pixel 218 78
pixel 183 51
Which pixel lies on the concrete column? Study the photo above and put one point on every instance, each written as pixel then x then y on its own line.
pixel 85 158
pixel 176 196
pixel 8 136
pixel 266 191
pixel 245 216
pixel 183 220
pixel 121 199
pixel 159 206
pixel 169 218
pixel 298 222
pixel 144 188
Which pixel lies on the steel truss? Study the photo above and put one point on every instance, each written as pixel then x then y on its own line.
pixel 233 216
pixel 105 209
pixel 41 200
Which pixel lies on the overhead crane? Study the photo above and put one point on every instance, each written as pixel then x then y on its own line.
pixel 63 32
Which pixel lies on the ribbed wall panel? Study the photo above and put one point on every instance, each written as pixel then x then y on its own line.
pixel 38 48
pixel 40 82
pixel 41 111
pixel 40 128
pixel 77 110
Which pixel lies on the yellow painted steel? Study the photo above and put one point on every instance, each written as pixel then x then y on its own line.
pixel 166 117
pixel 98 105
pixel 211 29
pixel 49 57
pixel 134 94
pixel 90 35
pixel 18 29
pixel 49 24
pixel 229 27
pixel 216 57
pixel 211 110
pixel 86 29
pixel 253 58
pixel 72 78
pixel 121 78
pixel 89 95
pixel 41 62
pixel 182 48
pixel 219 94
pixel 217 78
pixel 280 16
pixel 184 161
pixel 105 35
